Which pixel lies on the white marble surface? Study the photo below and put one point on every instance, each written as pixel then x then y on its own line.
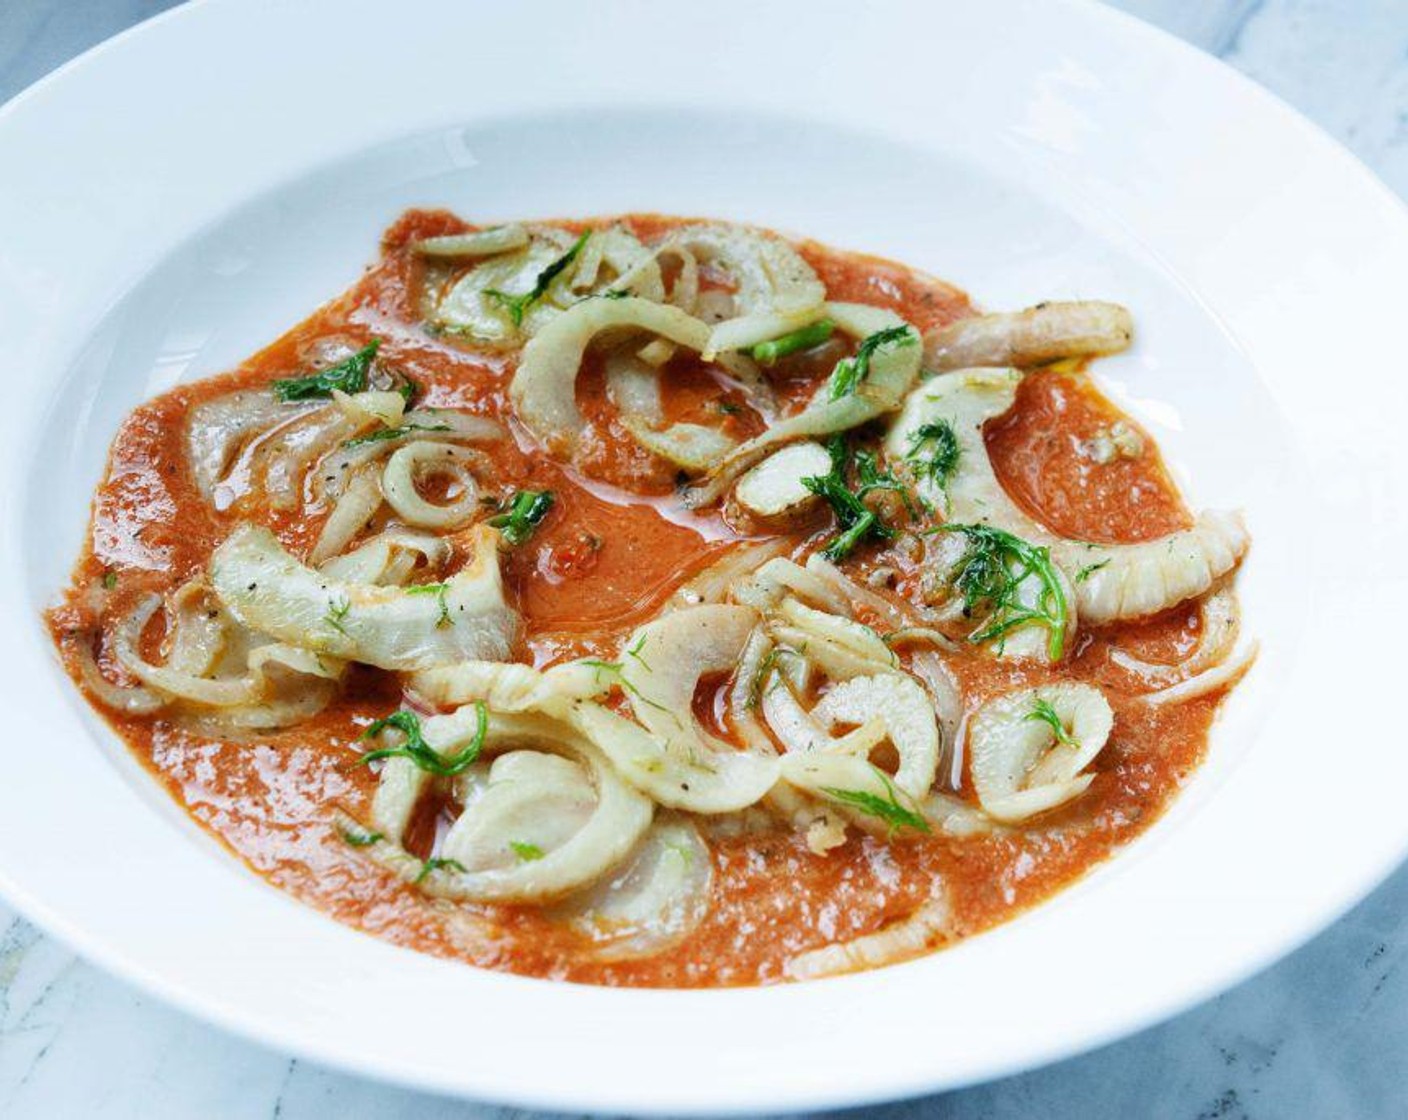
pixel 1322 1034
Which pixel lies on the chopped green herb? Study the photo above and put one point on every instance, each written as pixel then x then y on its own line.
pixel 888 808
pixel 850 372
pixel 358 837
pixel 610 668
pixel 517 306
pixel 857 521
pixel 419 751
pixel 526 852
pixel 1043 712
pixel 634 652
pixel 409 388
pixel 437 864
pixel 870 477
pixel 441 592
pixel 109 579
pixel 934 451
pixel 337 614
pixel 990 576
pixel 768 353
pixel 348 375
pixel 766 666
pixel 525 510
pixel 1089 570
pixel 615 672
pixel 728 408
pixel 395 433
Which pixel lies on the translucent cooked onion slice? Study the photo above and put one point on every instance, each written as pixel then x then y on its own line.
pixel 393 628
pixel 271 685
pixel 1126 581
pixel 217 428
pixel 1045 333
pixel 423 459
pixel 532 804
pixel 661 667
pixel 389 558
pixel 488 304
pixel 652 899
pixel 1220 676
pixel 1029 749
pixel 543 388
pixel 584 817
pixel 1219 620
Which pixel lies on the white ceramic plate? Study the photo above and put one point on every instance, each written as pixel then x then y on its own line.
pixel 174 199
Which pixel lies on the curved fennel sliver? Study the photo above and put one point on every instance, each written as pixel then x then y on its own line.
pixel 179 683
pixel 724 782
pixel 270 591
pixel 661 669
pixel 888 707
pixel 908 716
pixel 389 557
pixel 507 686
pixel 530 805
pixel 543 389
pixel 468 306
pixel 1109 581
pixel 1020 764
pixel 677 774
pixel 137 700
pixel 652 899
pixel 776 291
pixel 1047 332
pixel 928 927
pixel 616 824
pixel 788 719
pixel 1219 620
pixel 841 647
pixel 216 428
pixel 665 660
pixel 833 774
pixel 780 577
pixel 634 388
pixel 893 370
pixel 477 243
pixel 418 459
pixel 716 583
pixel 1220 676
pixel 354 478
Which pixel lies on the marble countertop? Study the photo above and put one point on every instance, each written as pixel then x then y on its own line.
pixel 1324 1033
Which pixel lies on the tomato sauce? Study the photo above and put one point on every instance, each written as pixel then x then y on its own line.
pixel 614 547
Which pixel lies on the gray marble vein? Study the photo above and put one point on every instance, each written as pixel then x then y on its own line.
pixel 1324 1033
